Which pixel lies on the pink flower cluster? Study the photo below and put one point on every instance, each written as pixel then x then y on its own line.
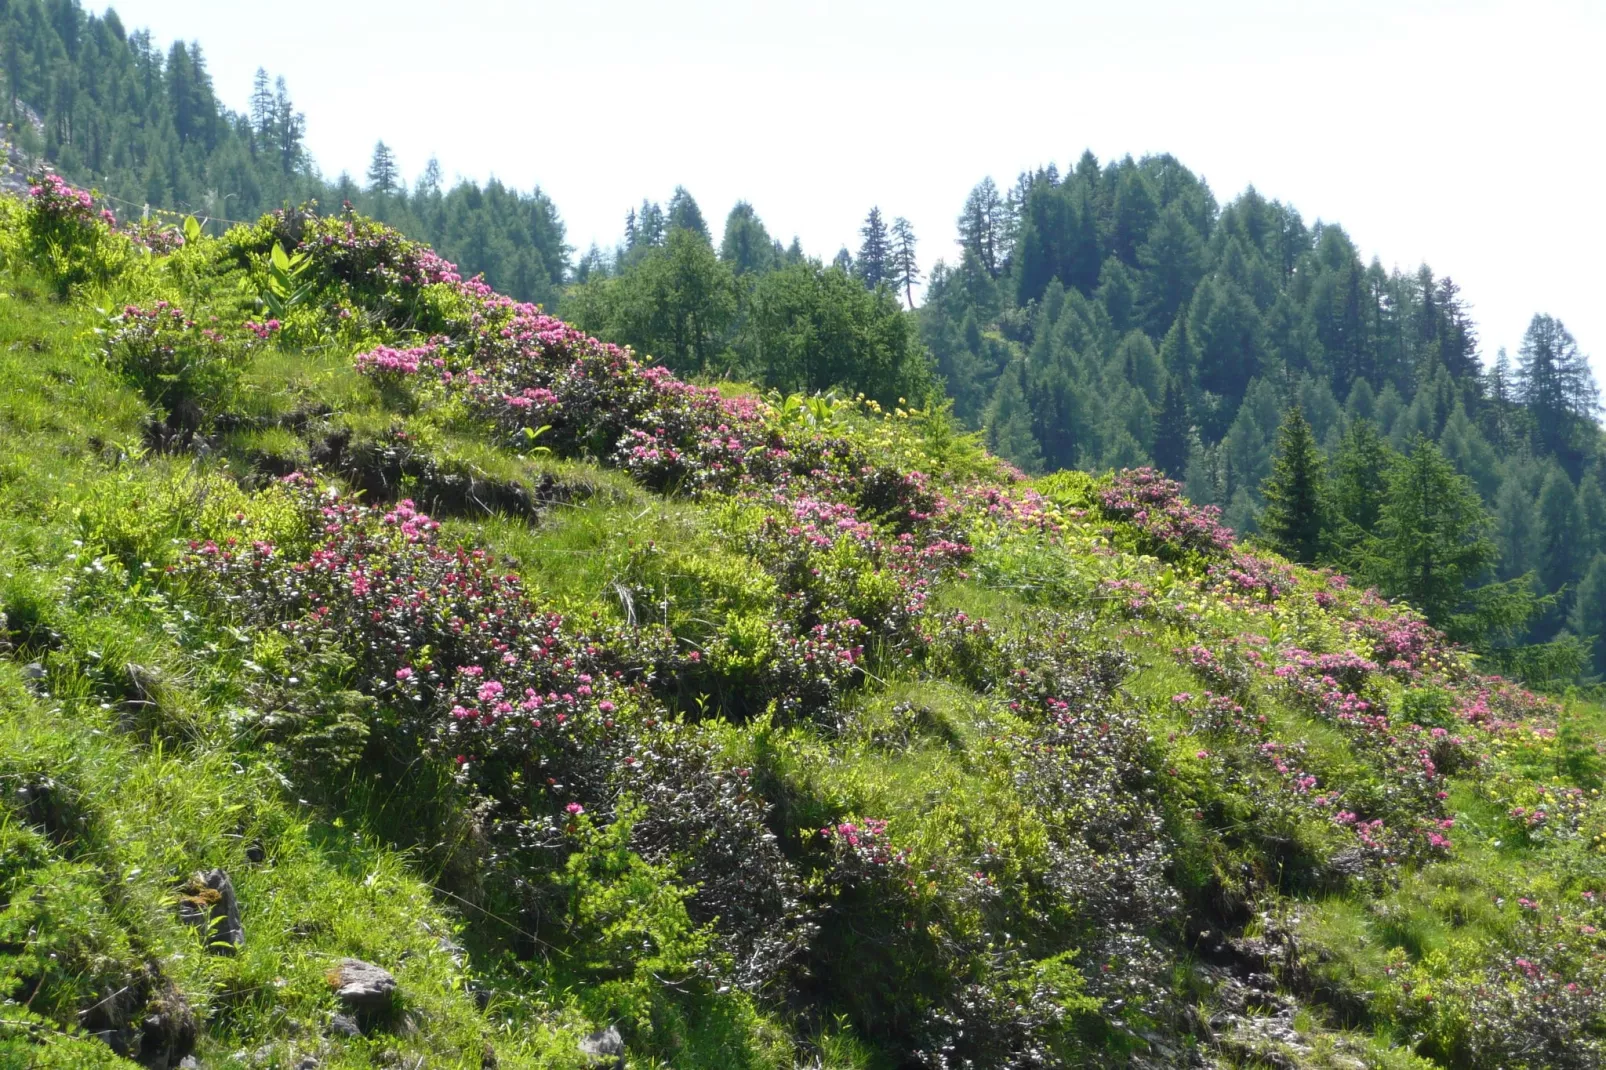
pixel 1168 523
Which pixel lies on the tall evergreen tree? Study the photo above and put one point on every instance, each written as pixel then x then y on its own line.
pixel 905 267
pixel 261 108
pixel 875 260
pixel 1560 532
pixel 383 174
pixel 982 223
pixel 1009 424
pixel 684 214
pixel 1295 520
pixel 1171 432
pixel 1433 548
pixel 1589 612
pixel 746 246
pixel 1360 471
pixel 1554 381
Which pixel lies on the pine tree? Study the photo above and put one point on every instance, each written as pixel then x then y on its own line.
pixel 650 225
pixel 874 261
pixel 1295 520
pixel 905 268
pixel 1172 430
pixel 1592 510
pixel 383 175
pixel 1173 259
pixel 843 261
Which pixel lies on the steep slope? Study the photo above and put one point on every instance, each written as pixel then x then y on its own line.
pixel 598 707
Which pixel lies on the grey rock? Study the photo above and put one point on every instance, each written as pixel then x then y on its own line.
pixel 34 671
pixel 343 1025
pixel 308 1062
pixel 362 986
pixel 188 1063
pixel 606 1047
pixel 208 902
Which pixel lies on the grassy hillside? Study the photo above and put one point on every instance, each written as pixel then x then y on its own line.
pixel 767 732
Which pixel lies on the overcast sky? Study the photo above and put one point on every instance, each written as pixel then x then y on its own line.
pixel 1468 134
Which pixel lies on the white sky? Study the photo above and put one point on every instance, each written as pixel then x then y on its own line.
pixel 1467 133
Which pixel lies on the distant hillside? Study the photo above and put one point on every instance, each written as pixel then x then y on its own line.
pixel 143 123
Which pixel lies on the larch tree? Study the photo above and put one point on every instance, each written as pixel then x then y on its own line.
pixel 905 268
pixel 1554 381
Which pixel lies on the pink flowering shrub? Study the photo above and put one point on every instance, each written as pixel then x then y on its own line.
pixel 173 361
pixel 1168 526
pixel 528 714
pixel 68 237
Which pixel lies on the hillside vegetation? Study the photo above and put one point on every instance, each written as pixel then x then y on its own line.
pixel 355 611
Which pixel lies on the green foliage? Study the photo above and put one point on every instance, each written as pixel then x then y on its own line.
pixel 1432 547
pixel 286 289
pixel 1296 518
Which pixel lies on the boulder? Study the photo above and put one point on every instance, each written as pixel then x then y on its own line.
pixel 606 1047
pixel 208 902
pixel 362 986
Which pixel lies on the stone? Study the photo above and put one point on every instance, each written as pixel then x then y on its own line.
pixel 362 986
pixel 343 1025
pixel 208 902
pixel 606 1047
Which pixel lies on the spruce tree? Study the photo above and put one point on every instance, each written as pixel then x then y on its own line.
pixel 746 246
pixel 1592 511
pixel 1295 520
pixel 261 108
pixel 1359 482
pixel 874 262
